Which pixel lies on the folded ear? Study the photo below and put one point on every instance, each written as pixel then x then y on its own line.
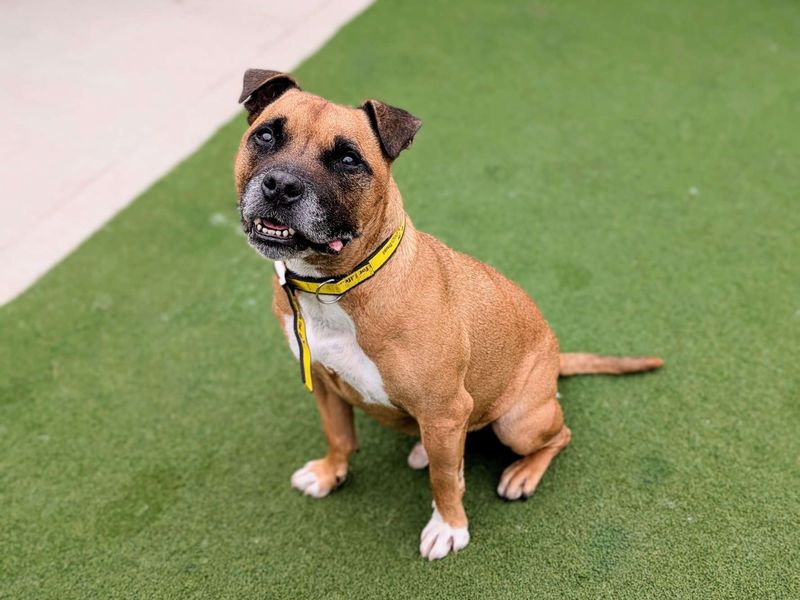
pixel 395 127
pixel 261 88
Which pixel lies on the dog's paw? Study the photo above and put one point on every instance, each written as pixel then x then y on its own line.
pixel 439 539
pixel 519 480
pixel 418 458
pixel 318 478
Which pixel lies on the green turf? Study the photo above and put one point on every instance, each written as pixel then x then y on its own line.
pixel 635 167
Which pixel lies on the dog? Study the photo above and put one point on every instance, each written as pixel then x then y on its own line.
pixel 387 318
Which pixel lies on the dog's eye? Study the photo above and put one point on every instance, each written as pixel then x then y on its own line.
pixel 350 159
pixel 265 137
pixel 344 158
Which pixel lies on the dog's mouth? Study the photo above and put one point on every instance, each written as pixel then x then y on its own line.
pixel 271 231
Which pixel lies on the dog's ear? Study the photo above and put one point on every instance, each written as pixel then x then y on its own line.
pixel 395 127
pixel 261 88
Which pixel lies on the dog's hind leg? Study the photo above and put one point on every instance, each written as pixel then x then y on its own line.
pixel 533 427
pixel 520 478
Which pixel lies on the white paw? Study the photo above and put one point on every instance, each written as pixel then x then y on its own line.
pixel 306 481
pixel 438 538
pixel 418 458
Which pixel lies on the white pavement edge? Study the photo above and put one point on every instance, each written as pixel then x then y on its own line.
pixel 44 235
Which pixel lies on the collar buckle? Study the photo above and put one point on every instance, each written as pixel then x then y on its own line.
pixel 319 298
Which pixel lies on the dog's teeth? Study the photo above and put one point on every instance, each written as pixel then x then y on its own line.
pixel 258 226
pixel 291 231
pixel 257 221
pixel 285 233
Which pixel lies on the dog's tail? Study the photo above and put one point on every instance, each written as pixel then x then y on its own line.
pixel 582 363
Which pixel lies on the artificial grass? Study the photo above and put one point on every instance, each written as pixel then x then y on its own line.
pixel 633 166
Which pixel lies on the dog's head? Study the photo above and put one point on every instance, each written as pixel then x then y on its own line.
pixel 311 174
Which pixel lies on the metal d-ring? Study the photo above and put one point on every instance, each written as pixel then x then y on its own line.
pixel 320 300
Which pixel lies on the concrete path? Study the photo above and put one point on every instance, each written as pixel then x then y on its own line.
pixel 101 98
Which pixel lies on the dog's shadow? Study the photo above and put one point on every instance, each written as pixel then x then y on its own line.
pixel 484 452
pixel 485 456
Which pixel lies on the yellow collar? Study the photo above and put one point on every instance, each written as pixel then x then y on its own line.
pixel 333 286
pixel 336 286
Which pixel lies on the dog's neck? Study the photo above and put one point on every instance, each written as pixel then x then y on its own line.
pixel 380 226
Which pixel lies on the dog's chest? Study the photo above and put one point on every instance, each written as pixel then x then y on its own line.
pixel 332 339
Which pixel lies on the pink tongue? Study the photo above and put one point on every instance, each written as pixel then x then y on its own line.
pixel 336 245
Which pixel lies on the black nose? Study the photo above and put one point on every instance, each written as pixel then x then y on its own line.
pixel 282 187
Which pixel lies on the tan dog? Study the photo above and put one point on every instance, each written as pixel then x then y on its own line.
pixel 435 344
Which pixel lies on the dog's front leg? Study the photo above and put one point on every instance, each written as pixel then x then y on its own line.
pixel 318 478
pixel 443 437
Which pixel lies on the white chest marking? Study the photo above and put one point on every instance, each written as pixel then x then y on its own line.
pixel 331 337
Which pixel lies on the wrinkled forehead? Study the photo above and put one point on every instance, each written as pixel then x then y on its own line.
pixel 311 119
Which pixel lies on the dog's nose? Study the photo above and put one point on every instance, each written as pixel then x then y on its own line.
pixel 282 187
